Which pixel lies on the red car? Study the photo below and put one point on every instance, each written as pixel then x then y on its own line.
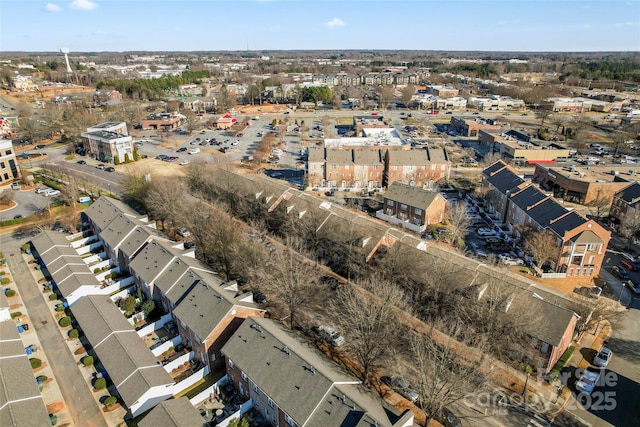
pixel 628 265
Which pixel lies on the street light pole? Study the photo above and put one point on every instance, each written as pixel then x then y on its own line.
pixel 525 384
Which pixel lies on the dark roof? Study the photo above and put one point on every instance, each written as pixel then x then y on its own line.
pixel 528 197
pixel 494 167
pixel 544 213
pixel 504 180
pixel 567 223
pixel 630 193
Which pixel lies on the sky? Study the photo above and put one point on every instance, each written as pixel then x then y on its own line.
pixel 217 25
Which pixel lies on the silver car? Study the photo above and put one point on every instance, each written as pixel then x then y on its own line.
pixel 603 357
pixel 331 335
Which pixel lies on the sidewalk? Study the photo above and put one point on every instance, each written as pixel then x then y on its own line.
pixel 50 390
pixel 113 416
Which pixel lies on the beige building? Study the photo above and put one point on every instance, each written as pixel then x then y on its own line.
pixel 9 170
pixel 518 149
pixel 108 142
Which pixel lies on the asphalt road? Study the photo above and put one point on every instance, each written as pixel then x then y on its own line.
pixel 82 407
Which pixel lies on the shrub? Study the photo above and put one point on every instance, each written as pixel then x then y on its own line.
pixel 60 307
pixel 555 372
pixel 74 333
pixel 65 321
pixel 53 297
pixel 9 292
pixel 41 378
pixel 126 158
pixel 99 383
pixel 35 363
pixel 5 281
pixel 87 360
pixel 96 270
pixel 110 401
pixel 16 314
pixel 24 247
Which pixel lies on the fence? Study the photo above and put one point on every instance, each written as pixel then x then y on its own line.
pixel 207 394
pixel 188 382
pixel 161 347
pixel 155 325
pixel 179 361
pixel 405 224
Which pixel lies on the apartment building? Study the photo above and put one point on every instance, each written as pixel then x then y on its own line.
pixel 108 142
pixel 412 207
pixel 9 169
pixel 626 205
pixel 581 243
pixel 291 384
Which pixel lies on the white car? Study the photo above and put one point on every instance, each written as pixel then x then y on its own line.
pixel 587 381
pixel 603 357
pixel 184 162
pixel 236 142
pixel 194 151
pixel 41 190
pixel 52 193
pixel 331 335
pixel 486 232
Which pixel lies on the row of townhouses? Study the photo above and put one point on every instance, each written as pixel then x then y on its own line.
pixel 214 324
pixel 581 243
pixel 371 168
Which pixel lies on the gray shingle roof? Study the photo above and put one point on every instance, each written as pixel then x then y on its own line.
pixel 173 413
pixel 504 180
pixel 152 260
pixel 547 211
pixel 528 197
pixel 411 196
pixel 128 361
pixel 105 209
pixel 286 378
pixel 21 403
pixel 202 309
pixel 567 223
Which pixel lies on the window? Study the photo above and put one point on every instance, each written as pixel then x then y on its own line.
pixel 433 167
pixel 403 206
pixel 346 167
pixel 418 211
pixel 333 166
pixel 390 202
pixel 231 363
pixel 243 375
pixel 256 389
pixel 443 167
pixel 271 403
pixel 544 348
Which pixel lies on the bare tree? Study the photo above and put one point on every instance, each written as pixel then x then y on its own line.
pixel 368 312
pixel 458 224
pixel 601 204
pixel 6 198
pixel 165 199
pixel 290 276
pixel 541 245
pixel 543 113
pixel 444 373
pixel 385 95
pixel 134 185
pixel 407 92
pixel 630 225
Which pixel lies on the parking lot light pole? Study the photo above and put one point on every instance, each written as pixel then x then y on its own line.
pixel 525 384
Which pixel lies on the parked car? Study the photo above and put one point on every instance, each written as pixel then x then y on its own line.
pixel 189 245
pixel 184 162
pixel 633 287
pixel 17 216
pixel 100 166
pixel 587 381
pixel 449 419
pixel 620 272
pixel 603 357
pixel 194 151
pixel 402 387
pixel 41 190
pixel 110 169
pixel 52 193
pixel 183 232
pixel 330 335
pixel 236 142
pixel 181 150
pixel 82 162
pixel 629 265
pixel 486 232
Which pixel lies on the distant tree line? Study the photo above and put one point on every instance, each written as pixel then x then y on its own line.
pixel 152 89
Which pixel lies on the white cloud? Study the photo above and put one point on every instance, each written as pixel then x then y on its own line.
pixel 626 24
pixel 83 5
pixel 52 7
pixel 335 22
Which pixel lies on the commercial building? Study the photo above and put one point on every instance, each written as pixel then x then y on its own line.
pixel 471 126
pixel 108 142
pixel 519 149
pixel 9 169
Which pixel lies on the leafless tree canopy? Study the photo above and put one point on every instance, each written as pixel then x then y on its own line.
pixel 368 313
pixel 541 245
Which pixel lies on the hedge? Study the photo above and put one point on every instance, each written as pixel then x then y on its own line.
pixel 16 314
pixel 65 321
pixel 87 361
pixel 555 372
pixel 99 383
pixel 53 297
pixel 35 363
pixel 110 401
pixel 74 333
